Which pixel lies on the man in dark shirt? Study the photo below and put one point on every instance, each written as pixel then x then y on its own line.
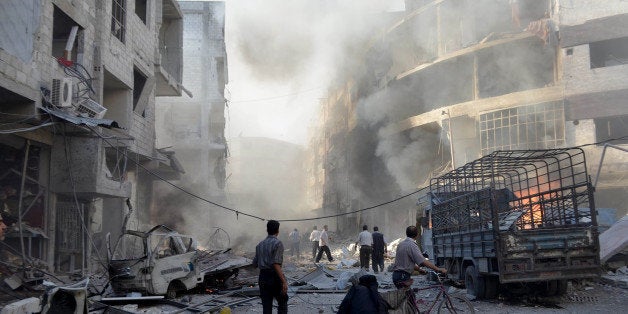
pixel 379 248
pixel 272 282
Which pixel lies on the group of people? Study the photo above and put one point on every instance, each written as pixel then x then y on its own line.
pixel 372 247
pixel 362 298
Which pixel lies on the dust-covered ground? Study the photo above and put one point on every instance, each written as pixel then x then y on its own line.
pixel 581 297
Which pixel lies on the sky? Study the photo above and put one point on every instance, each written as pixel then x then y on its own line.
pixel 282 56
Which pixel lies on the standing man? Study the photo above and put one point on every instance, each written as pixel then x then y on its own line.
pixel 379 248
pixel 408 259
pixel 295 239
pixel 272 282
pixel 315 236
pixel 365 239
pixel 323 244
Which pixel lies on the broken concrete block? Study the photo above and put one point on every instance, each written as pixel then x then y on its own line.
pixel 14 281
pixel 30 305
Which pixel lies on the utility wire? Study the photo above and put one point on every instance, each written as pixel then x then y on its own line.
pixel 238 212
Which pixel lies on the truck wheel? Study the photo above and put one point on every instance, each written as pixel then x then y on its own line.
pixel 492 285
pixel 173 289
pixel 474 283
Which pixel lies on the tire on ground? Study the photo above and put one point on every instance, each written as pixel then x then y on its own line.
pixel 474 283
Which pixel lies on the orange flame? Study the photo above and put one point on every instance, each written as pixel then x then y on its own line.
pixel 531 202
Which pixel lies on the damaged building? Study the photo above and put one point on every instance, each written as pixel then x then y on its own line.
pixel 447 82
pixel 78 83
pixel 193 125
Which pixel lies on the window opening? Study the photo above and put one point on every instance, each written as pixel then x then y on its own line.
pixel 118 19
pixel 141 11
pixel 608 53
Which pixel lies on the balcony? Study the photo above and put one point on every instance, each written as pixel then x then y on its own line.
pixel 88 168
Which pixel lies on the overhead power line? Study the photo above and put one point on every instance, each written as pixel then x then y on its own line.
pixel 237 211
pixel 240 212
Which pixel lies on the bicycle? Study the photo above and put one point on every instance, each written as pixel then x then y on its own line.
pixel 444 302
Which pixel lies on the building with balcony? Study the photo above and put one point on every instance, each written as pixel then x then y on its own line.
pixel 452 81
pixel 78 83
pixel 193 125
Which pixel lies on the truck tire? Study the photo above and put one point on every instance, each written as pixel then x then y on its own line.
pixel 174 288
pixel 474 283
pixel 491 287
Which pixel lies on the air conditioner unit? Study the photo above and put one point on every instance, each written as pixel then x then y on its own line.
pixel 61 95
pixel 91 109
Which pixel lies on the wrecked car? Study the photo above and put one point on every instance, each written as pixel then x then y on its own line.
pixel 163 262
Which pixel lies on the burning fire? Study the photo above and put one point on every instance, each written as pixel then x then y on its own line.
pixel 531 201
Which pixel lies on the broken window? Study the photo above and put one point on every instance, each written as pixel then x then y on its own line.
pixel 61 28
pixel 611 128
pixel 539 126
pixel 118 19
pixel 141 11
pixel 608 53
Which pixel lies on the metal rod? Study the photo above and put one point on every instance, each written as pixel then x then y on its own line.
pixel 19 206
pixel 599 168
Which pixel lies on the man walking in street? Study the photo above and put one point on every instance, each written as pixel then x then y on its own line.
pixel 272 282
pixel 408 259
pixel 365 239
pixel 315 236
pixel 323 244
pixel 295 242
pixel 379 248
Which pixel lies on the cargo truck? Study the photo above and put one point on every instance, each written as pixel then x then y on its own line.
pixel 522 220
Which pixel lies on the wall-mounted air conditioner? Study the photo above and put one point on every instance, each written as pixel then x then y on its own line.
pixel 61 92
pixel 91 109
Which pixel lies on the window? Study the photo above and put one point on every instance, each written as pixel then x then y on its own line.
pixel 608 53
pixel 140 10
pixel 61 27
pixel 529 127
pixel 118 19
pixel 139 81
pixel 611 128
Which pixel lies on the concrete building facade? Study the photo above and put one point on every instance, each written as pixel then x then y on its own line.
pixel 193 125
pixel 82 165
pixel 452 81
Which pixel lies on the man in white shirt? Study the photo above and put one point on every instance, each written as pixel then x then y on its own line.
pixel 324 246
pixel 315 236
pixel 365 240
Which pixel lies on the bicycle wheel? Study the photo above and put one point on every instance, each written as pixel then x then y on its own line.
pixel 455 304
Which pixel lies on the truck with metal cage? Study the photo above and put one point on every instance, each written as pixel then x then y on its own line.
pixel 521 219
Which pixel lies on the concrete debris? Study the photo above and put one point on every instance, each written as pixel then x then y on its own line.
pixel 30 305
pixel 614 241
